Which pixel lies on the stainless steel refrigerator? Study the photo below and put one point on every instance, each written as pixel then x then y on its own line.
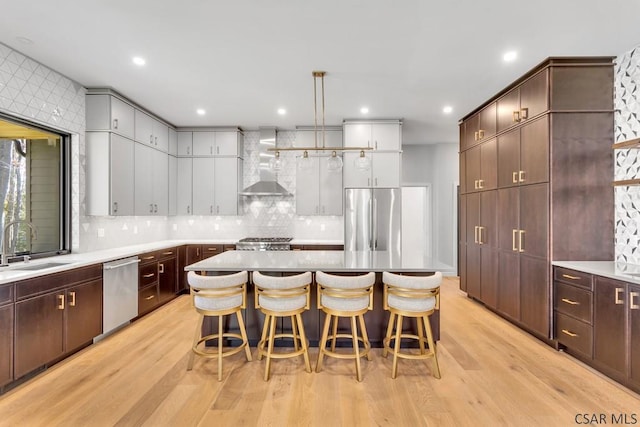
pixel 373 219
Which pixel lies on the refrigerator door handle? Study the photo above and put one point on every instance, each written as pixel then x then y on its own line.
pixel 371 223
pixel 374 216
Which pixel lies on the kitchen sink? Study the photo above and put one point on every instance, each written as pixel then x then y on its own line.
pixel 30 267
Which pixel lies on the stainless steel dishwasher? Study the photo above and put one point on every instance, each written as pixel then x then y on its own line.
pixel 119 293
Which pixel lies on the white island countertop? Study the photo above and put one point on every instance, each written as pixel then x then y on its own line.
pixel 331 261
pixel 611 269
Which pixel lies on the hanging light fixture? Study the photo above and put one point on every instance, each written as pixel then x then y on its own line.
pixel 334 163
pixel 362 163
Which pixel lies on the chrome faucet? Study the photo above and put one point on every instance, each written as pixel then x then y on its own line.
pixel 5 240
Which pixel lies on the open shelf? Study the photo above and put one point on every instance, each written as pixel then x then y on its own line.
pixel 624 182
pixel 631 143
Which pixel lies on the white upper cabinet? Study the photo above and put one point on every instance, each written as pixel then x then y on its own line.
pixel 109 183
pixel 204 143
pixel 151 132
pixel 318 190
pixel 383 171
pixel 173 185
pixel 227 178
pixel 383 135
pixel 203 188
pixel 184 186
pixel 185 143
pixel 106 112
pixel 173 142
pixel 151 186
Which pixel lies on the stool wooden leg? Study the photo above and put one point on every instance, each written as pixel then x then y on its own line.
pixel 323 342
pixel 220 348
pixel 272 333
pixel 356 347
pixel 432 347
pixel 420 335
pixel 396 349
pixel 294 331
pixel 262 344
pixel 303 342
pixel 335 332
pixel 365 336
pixel 387 338
pixel 196 338
pixel 243 334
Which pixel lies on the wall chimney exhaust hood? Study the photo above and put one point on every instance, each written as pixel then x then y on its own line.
pixel 268 184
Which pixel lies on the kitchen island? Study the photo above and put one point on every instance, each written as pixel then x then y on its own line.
pixel 336 262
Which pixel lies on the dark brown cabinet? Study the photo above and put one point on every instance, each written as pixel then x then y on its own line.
pixel 6 333
pixel 524 102
pixel 551 163
pixel 481 167
pixel 157 278
pixel 479 127
pixel 481 234
pixel 610 324
pixel 55 315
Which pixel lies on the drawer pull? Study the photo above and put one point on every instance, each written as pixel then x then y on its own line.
pixel 632 304
pixel 571 334
pixel 568 276
pixel 150 297
pixel 618 300
pixel 167 253
pixel 212 249
pixel 568 301
pixel 147 276
pixel 148 257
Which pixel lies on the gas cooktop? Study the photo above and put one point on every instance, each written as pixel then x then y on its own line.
pixel 267 239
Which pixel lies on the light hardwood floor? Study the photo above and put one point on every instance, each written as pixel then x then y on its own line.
pixel 492 374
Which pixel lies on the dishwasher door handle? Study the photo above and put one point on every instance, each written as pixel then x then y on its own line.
pixel 113 267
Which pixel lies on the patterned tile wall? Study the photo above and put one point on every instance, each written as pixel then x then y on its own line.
pixel 627 126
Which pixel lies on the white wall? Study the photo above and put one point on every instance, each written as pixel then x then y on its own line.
pixel 437 165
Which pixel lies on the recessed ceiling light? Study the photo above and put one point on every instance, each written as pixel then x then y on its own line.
pixel 282 111
pixel 201 112
pixel 510 56
pixel 364 110
pixel 138 60
pixel 447 109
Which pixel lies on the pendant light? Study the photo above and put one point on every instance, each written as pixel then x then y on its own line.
pixel 334 163
pixel 362 163
pixel 305 162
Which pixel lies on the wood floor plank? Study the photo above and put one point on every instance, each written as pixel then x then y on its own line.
pixel 493 373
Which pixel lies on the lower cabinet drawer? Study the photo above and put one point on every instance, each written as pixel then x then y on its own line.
pixel 574 301
pixel 147 274
pixel 147 298
pixel 574 334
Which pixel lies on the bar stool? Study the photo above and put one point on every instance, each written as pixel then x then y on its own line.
pixel 282 297
pixel 345 296
pixel 411 296
pixel 218 296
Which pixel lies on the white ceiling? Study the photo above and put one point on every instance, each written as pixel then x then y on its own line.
pixel 241 60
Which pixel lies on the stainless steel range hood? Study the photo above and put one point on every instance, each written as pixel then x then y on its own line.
pixel 268 183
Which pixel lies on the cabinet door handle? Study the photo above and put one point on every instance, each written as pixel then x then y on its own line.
pixel 322 209
pixel 516 116
pixel 521 176
pixel 570 302
pixel 148 257
pixel 524 113
pixel 475 136
pixel 376 145
pixel 61 305
pixel 618 300
pixel 571 334
pixel 513 240
pixel 632 304
pixel 514 178
pixel 151 139
pixel 376 181
pixel 115 207
pixel 475 234
pixel 520 240
pixel 475 184
pixel 150 207
pixel 148 276
pixel 188 209
pixel 210 150
pixel 188 150
pixel 72 295
pixel 568 276
pixel 155 208
pixel 210 208
pixel 217 208
pixel 150 297
pixel 160 268
pixel 198 251
pixel 115 123
pixel 480 184
pixel 217 150
pixel 155 139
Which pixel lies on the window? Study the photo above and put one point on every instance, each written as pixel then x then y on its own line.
pixel 35 189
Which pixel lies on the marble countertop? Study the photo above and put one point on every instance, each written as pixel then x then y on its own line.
pixel 611 269
pixel 331 261
pixel 74 260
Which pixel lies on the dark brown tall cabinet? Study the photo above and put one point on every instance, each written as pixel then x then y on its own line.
pixel 537 186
